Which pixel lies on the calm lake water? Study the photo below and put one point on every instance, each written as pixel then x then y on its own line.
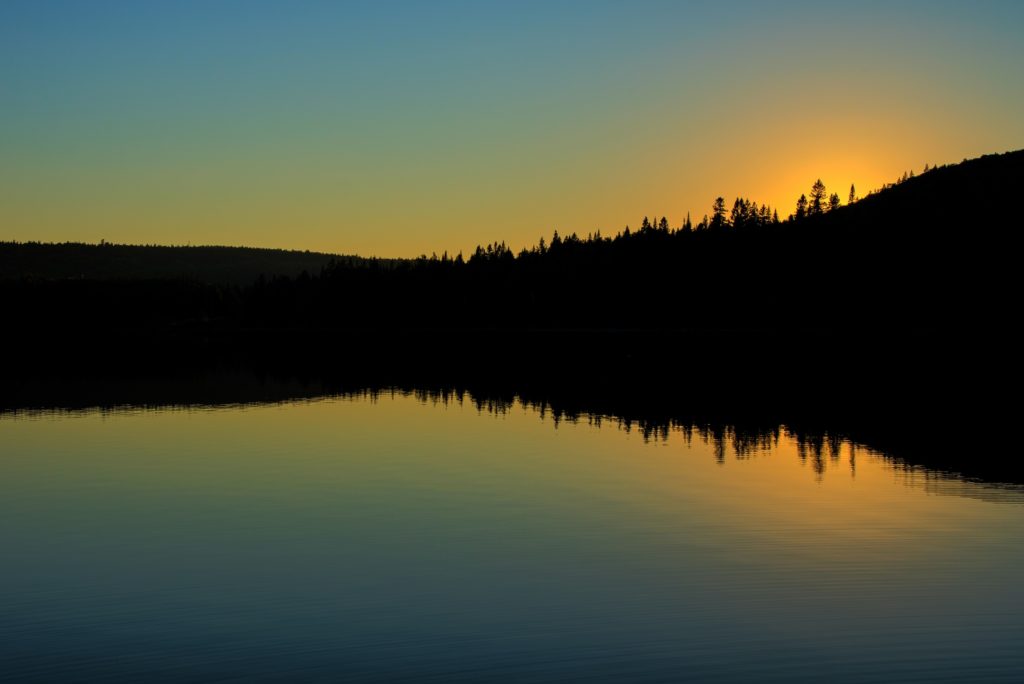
pixel 394 539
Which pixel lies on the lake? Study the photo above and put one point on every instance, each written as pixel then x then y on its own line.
pixel 390 536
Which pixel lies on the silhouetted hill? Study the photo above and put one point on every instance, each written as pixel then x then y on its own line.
pixel 888 321
pixel 215 265
pixel 934 251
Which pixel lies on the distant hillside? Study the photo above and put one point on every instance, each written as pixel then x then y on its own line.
pixel 214 265
pixel 888 321
pixel 974 199
pixel 934 251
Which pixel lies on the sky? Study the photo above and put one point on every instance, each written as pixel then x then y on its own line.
pixel 395 128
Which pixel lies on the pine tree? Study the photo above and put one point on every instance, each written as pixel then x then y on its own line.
pixel 738 216
pixel 853 194
pixel 718 213
pixel 817 198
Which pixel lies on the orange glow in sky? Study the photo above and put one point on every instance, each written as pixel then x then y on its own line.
pixel 398 131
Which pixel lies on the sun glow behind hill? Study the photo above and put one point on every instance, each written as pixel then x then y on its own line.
pixel 407 129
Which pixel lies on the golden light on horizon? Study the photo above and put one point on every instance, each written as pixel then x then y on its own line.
pixel 457 136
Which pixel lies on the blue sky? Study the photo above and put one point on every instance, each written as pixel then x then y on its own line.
pixel 405 127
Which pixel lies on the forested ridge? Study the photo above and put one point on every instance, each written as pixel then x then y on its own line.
pixel 885 320
pixel 108 261
pixel 932 249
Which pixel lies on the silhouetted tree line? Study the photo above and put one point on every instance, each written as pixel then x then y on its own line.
pixel 930 250
pixel 921 252
pixel 107 261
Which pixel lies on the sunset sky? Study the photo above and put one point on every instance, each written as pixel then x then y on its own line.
pixel 399 128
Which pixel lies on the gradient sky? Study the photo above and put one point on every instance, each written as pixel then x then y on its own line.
pixel 399 128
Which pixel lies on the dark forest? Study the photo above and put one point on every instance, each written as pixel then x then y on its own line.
pixel 930 250
pixel 884 320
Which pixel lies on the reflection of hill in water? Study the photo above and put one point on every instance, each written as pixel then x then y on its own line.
pixel 823 448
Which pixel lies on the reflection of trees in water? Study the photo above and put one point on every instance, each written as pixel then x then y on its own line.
pixel 820 446
pixel 820 450
pixel 816 447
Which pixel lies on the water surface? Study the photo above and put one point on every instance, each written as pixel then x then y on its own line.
pixel 388 538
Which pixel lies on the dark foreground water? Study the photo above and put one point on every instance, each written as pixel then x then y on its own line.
pixel 393 539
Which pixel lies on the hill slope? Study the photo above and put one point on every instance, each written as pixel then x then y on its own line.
pixel 934 251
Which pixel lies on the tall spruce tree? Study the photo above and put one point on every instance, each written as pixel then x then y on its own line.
pixel 817 198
